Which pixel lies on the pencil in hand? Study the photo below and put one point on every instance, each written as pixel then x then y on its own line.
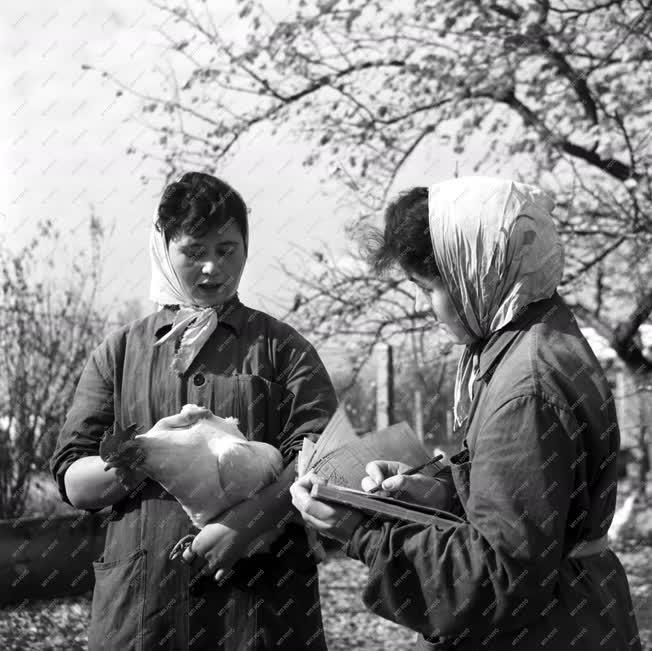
pixel 411 471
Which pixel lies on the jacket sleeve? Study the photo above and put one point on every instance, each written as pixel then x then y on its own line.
pixel 310 398
pixel 498 570
pixel 89 416
pixel 445 477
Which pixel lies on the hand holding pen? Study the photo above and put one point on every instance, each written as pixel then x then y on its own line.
pixel 399 480
pixel 398 472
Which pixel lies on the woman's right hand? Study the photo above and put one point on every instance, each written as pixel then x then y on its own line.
pixel 418 488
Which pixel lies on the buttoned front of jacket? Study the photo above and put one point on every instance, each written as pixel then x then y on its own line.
pixel 264 373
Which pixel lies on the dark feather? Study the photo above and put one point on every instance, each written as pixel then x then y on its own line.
pixel 117 446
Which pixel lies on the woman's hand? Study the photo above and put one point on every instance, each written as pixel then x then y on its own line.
pixel 418 488
pixel 333 521
pixel 227 539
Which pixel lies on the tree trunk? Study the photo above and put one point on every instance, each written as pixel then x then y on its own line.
pixel 643 444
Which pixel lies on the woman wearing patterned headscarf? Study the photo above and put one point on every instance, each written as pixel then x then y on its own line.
pixel 535 481
pixel 203 346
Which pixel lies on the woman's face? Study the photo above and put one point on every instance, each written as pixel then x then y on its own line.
pixel 432 295
pixel 209 266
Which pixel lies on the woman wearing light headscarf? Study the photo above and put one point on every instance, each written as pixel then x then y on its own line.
pixel 530 567
pixel 202 346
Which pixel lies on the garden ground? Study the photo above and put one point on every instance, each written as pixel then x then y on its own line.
pixel 60 624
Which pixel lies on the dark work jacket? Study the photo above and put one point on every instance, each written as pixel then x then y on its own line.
pixel 537 476
pixel 257 369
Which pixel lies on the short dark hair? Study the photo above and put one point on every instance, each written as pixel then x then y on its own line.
pixel 406 238
pixel 197 202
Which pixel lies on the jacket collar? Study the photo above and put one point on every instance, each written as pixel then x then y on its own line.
pixel 231 313
pixel 500 341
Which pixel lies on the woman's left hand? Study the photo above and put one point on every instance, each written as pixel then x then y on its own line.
pixel 336 522
pixel 225 541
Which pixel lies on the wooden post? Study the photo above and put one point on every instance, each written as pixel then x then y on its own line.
pixel 418 415
pixel 620 400
pixel 384 387
pixel 449 425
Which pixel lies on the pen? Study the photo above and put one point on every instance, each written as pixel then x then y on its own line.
pixel 411 471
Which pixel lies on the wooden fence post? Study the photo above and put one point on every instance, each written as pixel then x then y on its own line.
pixel 384 387
pixel 418 415
pixel 449 425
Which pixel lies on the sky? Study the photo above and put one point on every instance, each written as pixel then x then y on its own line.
pixel 65 141
pixel 64 137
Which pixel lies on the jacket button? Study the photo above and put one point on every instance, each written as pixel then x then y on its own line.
pixel 199 379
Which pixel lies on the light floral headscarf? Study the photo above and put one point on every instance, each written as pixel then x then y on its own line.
pixel 194 323
pixel 497 250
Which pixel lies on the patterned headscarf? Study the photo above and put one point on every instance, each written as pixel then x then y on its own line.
pixel 497 250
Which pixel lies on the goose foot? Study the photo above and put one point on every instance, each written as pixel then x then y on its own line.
pixel 181 547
